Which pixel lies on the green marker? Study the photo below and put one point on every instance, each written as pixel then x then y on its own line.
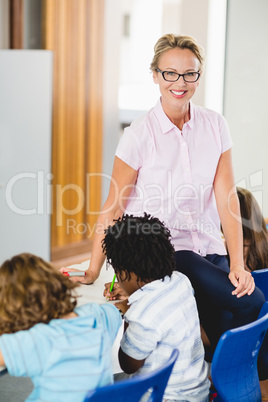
pixel 112 286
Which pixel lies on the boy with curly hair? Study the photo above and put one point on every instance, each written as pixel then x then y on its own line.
pixel 160 313
pixel 66 351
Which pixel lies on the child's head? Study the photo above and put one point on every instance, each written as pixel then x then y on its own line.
pixel 32 291
pixel 139 245
pixel 254 231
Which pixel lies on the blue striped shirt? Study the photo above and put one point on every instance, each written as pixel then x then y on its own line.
pixel 163 316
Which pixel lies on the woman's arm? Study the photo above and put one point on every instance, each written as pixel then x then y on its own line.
pixel 123 179
pixel 229 212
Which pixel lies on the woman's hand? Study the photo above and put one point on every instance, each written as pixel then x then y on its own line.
pixel 88 279
pixel 242 280
pixel 116 294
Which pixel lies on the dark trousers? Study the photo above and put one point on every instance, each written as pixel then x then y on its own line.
pixel 218 309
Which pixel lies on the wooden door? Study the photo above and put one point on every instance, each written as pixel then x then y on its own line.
pixel 74 31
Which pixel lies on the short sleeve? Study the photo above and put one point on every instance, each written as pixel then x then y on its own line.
pixel 128 149
pixel 226 140
pixel 139 340
pixel 19 353
pixel 112 319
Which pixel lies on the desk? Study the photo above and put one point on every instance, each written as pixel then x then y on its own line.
pixel 94 294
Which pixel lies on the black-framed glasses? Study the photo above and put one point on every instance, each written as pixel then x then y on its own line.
pixel 171 76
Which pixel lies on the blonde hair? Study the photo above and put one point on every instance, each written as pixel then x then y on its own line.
pixel 32 291
pixel 171 41
pixel 254 231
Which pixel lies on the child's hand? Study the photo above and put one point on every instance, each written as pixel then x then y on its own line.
pixel 117 293
pixel 122 306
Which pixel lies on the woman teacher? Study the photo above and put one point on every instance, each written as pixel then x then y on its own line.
pixel 175 163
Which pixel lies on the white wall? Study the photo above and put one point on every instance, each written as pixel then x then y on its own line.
pixel 137 92
pixel 194 17
pixel 111 66
pixel 25 152
pixel 246 88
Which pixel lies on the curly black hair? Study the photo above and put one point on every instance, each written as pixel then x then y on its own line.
pixel 140 245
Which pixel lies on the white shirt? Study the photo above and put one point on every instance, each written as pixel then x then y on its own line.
pixel 176 171
pixel 163 316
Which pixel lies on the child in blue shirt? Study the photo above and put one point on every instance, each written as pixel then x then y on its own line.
pixel 66 351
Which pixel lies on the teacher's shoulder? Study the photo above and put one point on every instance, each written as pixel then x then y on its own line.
pixel 203 113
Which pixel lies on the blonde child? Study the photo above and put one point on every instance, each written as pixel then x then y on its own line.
pixel 66 351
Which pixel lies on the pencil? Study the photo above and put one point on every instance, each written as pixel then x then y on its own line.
pixel 111 287
pixel 112 284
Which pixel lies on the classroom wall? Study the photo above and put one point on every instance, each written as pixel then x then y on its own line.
pixel 25 152
pixel 111 57
pixel 245 98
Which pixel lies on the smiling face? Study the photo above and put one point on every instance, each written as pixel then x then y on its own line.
pixel 176 95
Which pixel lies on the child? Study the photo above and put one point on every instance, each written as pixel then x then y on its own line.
pixel 65 350
pixel 255 233
pixel 161 312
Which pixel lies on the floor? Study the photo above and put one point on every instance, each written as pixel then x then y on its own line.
pixel 14 389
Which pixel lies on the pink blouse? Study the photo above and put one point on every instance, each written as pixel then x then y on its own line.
pixel 176 170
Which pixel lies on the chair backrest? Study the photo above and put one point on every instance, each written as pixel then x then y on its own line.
pixel 234 364
pixel 133 389
pixel 261 280
pixel 264 310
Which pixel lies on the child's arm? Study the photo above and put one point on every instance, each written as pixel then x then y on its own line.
pixel 128 364
pixel 122 306
pixel 139 340
pixel 2 362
